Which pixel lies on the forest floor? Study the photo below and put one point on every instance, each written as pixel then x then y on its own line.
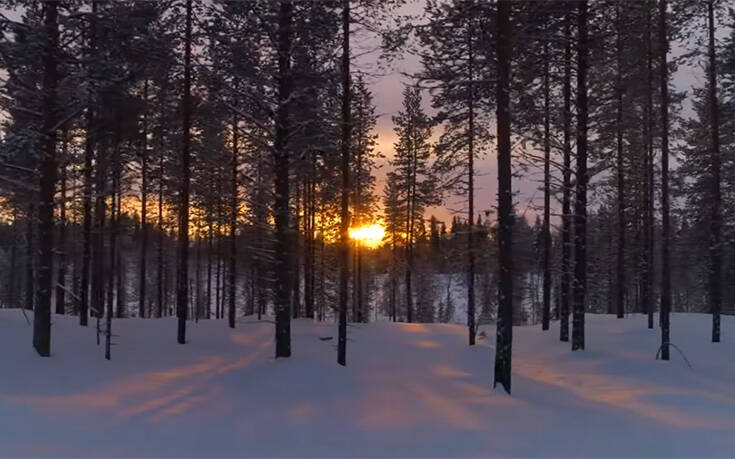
pixel 408 390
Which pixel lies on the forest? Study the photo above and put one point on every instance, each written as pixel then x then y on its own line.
pixel 221 161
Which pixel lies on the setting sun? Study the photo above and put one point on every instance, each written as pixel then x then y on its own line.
pixel 369 236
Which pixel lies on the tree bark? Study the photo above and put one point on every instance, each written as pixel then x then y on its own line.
pixel 648 274
pixel 42 311
pixel 63 256
pixel 715 246
pixel 233 227
pixel 143 207
pixel 620 273
pixel 89 146
pixel 546 226
pixel 282 210
pixel 665 223
pixel 471 326
pixel 566 220
pixel 344 274
pixel 580 204
pixel 182 277
pixel 503 348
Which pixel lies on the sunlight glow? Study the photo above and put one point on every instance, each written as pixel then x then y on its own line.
pixel 368 236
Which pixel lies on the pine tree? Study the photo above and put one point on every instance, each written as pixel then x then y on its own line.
pixel 47 181
pixel 503 348
pixel 453 67
pixel 580 205
pixel 412 176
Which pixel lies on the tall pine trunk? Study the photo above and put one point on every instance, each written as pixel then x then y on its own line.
pixel 715 247
pixel 546 228
pixel 566 220
pixel 47 179
pixel 344 274
pixel 89 146
pixel 233 228
pixel 648 273
pixel 620 265
pixel 471 326
pixel 63 246
pixel 161 236
pixel 30 280
pixel 580 204
pixel 282 210
pixel 143 207
pixel 665 218
pixel 503 348
pixel 182 271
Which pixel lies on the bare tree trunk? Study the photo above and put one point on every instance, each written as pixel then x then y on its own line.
pixel 471 326
pixel 566 231
pixel 344 274
pixel 546 228
pixel 504 343
pixel 218 277
pixel 283 255
pixel 233 227
pixel 648 274
pixel 393 279
pixel 309 232
pixel 89 146
pixel 161 234
pixel 182 274
pixel 620 274
pixel 42 311
pixel 11 299
pixel 296 278
pixel 208 301
pixel 665 224
pixel 143 207
pixel 63 246
pixel 715 247
pixel 30 279
pixel 580 204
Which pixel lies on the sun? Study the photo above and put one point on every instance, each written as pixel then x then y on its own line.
pixel 368 236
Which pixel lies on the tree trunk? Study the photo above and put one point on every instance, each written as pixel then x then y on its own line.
pixel 503 348
pixel 566 231
pixel 648 274
pixel 208 302
pixel 471 326
pixel 580 204
pixel 665 224
pixel 89 146
pixel 30 258
pixel 309 243
pixel 715 247
pixel 63 256
pixel 143 207
pixel 282 210
pixel 218 277
pixel 344 274
pixel 233 227
pixel 182 274
pixel 42 311
pixel 546 228
pixel 161 234
pixel 620 274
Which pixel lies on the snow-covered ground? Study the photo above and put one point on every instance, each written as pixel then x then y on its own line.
pixel 408 390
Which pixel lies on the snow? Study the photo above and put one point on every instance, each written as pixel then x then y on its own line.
pixel 408 390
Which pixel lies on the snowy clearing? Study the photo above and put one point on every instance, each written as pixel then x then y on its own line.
pixel 408 390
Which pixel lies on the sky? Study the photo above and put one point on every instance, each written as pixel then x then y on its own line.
pixel 387 88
